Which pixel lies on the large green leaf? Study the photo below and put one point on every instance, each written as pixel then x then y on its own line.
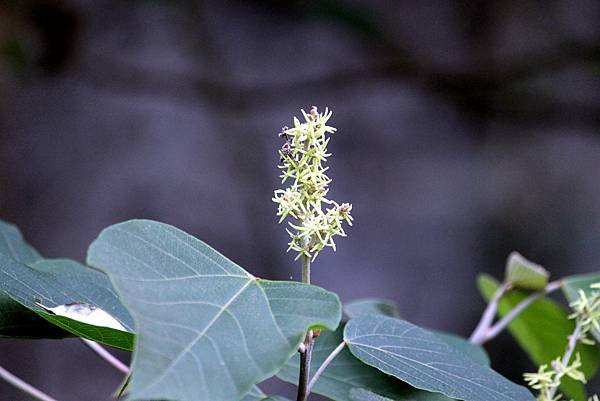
pixel 371 306
pixel 542 331
pixel 383 307
pixel 423 360
pixel 207 329
pixel 573 284
pixel 473 351
pixel 62 281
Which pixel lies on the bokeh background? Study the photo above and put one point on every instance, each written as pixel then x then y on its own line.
pixel 466 130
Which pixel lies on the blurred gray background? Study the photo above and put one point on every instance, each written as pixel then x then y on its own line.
pixel 466 130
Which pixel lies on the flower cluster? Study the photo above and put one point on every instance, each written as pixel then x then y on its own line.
pixel 548 378
pixel 586 309
pixel 586 312
pixel 303 154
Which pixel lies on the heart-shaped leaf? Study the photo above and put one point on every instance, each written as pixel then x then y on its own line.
pixel 207 329
pixel 542 331
pixel 423 360
pixel 346 373
pixel 371 306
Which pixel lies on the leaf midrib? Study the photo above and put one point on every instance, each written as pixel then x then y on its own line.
pixel 203 332
pixel 402 357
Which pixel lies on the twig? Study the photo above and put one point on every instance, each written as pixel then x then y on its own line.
pixel 517 310
pixel 107 356
pixel 23 386
pixel 305 356
pixel 324 365
pixel 305 359
pixel 488 315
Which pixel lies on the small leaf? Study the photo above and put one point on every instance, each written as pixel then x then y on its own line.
pixel 524 274
pixel 572 285
pixel 207 330
pixel 424 361
pixel 541 331
pixel 368 306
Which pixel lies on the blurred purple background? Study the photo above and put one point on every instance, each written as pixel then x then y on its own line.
pixel 466 130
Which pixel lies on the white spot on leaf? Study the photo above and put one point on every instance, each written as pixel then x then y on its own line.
pixel 85 313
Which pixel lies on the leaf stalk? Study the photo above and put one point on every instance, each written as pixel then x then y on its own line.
pixel 24 386
pixel 107 356
pixel 324 365
pixel 487 331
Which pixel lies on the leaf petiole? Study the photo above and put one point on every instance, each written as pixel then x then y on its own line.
pixel 24 386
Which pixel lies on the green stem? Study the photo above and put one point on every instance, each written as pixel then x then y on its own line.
pixel 306 269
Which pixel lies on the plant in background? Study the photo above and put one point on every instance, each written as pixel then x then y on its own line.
pixel 202 328
pixel 586 313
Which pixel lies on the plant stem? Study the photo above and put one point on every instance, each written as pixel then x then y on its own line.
pixel 488 315
pixel 306 269
pixel 107 356
pixel 305 356
pixel 23 386
pixel 517 310
pixel 573 338
pixel 324 365
pixel 305 359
